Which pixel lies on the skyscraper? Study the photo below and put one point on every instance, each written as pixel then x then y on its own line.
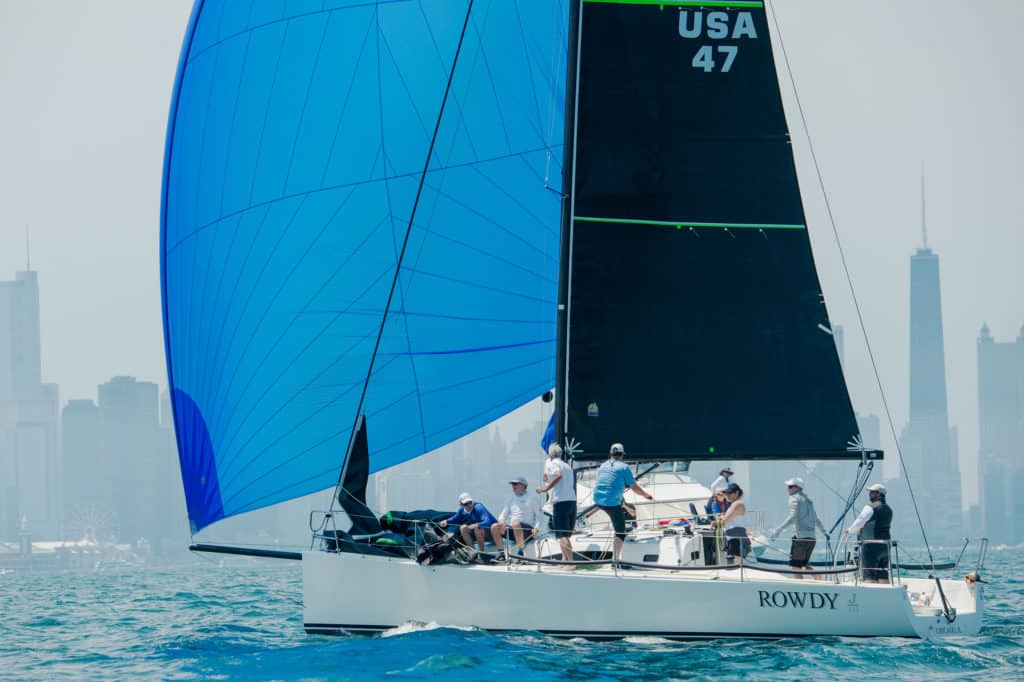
pixel 926 439
pixel 28 416
pixel 1001 436
pixel 129 411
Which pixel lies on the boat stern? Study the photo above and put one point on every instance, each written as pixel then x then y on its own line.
pixel 960 613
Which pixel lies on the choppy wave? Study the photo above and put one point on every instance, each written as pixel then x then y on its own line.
pixel 244 621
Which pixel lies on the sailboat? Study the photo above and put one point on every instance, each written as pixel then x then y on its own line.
pixel 386 224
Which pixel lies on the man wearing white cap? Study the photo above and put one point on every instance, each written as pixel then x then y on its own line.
pixel 804 519
pixel 723 479
pixel 473 519
pixel 613 477
pixel 720 483
pixel 874 523
pixel 520 512
pixel 559 484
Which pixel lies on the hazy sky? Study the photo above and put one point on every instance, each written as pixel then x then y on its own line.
pixel 886 86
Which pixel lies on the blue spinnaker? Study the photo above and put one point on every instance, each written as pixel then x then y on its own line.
pixel 300 136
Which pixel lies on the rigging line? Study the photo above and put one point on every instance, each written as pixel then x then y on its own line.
pixel 859 481
pixel 849 281
pixel 818 476
pixel 405 243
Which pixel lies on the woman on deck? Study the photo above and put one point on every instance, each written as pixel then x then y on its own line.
pixel 734 520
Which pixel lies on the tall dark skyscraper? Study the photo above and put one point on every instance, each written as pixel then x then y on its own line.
pixel 1001 436
pixel 926 442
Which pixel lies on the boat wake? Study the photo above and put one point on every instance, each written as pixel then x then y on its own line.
pixel 415 626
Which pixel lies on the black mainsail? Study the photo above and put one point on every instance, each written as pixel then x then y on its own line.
pixel 696 326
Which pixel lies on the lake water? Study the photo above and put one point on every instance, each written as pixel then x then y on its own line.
pixel 242 620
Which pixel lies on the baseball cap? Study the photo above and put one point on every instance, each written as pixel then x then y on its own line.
pixel 798 482
pixel 617 449
pixel 877 488
pixel 464 498
pixel 518 479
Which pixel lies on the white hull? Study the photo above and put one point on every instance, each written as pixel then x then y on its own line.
pixel 360 593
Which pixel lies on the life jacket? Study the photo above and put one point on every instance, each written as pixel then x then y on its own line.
pixel 877 527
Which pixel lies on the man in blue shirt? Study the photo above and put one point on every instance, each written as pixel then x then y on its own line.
pixel 613 477
pixel 473 519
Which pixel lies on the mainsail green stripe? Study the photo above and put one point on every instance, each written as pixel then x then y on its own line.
pixel 680 224
pixel 685 3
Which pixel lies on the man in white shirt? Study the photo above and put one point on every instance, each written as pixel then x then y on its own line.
pixel 520 513
pixel 722 481
pixel 558 482
pixel 873 526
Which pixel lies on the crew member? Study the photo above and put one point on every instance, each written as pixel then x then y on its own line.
pixel 613 477
pixel 873 524
pixel 558 483
pixel 805 520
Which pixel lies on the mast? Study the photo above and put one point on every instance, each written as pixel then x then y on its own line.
pixel 568 180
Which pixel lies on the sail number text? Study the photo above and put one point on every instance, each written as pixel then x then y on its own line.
pixel 716 26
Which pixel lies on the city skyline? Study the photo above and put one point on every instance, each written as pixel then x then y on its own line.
pixel 86 148
pixel 118 461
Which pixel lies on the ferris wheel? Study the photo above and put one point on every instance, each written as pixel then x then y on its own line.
pixel 94 523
